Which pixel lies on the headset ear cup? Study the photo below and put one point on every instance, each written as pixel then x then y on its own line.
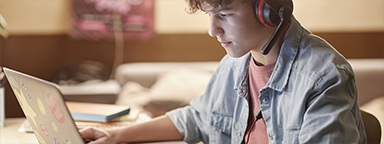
pixel 265 15
pixel 259 12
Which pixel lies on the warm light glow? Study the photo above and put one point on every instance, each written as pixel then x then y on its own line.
pixel 3 26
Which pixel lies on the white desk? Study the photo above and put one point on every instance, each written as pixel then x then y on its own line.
pixel 10 135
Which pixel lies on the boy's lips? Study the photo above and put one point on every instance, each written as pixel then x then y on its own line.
pixel 224 44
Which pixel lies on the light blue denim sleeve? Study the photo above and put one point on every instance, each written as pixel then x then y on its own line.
pixel 186 120
pixel 332 114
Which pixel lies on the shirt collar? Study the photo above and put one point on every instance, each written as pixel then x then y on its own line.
pixel 287 55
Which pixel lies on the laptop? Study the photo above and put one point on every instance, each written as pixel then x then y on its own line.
pixel 44 108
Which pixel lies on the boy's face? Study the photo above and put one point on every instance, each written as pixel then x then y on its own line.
pixel 236 27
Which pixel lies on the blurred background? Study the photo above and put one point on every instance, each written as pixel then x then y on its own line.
pixel 42 38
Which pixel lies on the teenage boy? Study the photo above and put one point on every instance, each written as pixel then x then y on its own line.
pixel 293 88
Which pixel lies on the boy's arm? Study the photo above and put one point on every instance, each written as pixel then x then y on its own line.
pixel 158 129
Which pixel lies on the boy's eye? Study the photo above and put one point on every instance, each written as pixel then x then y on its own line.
pixel 223 15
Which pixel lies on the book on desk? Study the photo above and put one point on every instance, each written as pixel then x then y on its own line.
pixel 96 112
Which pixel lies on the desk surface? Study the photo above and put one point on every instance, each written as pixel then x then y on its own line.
pixel 10 135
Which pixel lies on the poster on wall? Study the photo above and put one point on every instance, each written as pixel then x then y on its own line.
pixel 103 19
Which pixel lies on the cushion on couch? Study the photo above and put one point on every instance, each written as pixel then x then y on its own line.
pixel 172 89
pixel 147 73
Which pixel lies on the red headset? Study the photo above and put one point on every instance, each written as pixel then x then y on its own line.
pixel 273 13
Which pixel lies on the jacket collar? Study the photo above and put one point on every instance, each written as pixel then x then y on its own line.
pixel 287 56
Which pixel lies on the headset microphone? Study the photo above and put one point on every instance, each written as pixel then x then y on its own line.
pixel 273 13
pixel 284 14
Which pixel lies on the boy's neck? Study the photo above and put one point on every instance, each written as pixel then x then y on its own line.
pixel 270 58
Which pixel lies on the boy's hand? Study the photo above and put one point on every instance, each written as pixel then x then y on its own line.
pixel 96 136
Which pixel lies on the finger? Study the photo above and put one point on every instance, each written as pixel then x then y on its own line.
pixel 87 133
pixel 100 136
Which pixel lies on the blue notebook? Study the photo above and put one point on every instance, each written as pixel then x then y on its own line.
pixel 96 112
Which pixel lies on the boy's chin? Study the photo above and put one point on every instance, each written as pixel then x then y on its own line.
pixel 236 55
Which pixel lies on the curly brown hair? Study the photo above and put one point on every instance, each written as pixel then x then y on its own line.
pixel 196 5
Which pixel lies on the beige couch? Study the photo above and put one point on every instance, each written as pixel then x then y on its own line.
pixel 161 86
pixel 171 75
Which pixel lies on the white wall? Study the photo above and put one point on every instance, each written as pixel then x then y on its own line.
pixel 52 16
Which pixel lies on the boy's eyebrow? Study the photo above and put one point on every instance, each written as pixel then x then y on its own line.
pixel 217 9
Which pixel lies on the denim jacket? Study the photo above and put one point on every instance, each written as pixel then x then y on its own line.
pixel 311 97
